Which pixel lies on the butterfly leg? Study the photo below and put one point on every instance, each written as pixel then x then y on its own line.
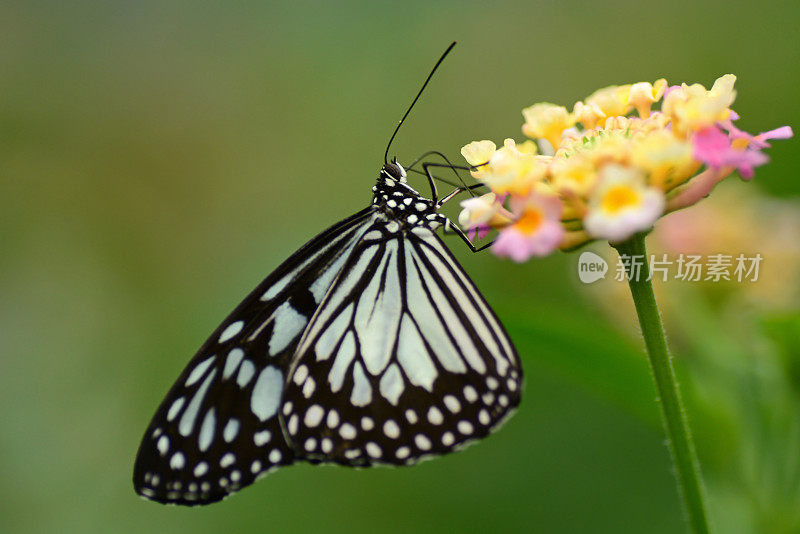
pixel 450 228
pixel 425 155
pixel 427 168
pixel 449 182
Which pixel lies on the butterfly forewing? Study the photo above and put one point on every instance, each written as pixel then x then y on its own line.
pixel 402 360
pixel 218 428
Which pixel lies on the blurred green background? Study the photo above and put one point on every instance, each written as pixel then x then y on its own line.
pixel 158 159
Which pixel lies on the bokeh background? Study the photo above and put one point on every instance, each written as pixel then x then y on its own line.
pixel 158 159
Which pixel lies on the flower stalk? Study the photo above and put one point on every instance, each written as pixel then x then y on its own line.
pixel 676 425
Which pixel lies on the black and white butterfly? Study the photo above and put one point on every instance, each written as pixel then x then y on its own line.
pixel 369 345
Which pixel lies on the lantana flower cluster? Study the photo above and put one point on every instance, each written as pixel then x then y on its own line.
pixel 609 168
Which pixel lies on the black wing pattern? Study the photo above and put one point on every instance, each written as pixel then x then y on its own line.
pixel 217 429
pixel 402 360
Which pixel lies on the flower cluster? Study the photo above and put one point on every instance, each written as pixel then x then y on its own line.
pixel 611 167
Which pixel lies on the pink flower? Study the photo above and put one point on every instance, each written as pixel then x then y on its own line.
pixel 714 147
pixel 537 230
pixel 758 141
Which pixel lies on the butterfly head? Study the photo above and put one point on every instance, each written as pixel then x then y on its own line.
pixel 394 171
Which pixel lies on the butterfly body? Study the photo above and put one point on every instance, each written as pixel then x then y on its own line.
pixel 402 203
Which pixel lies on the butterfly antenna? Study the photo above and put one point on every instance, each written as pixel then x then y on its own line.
pixel 386 154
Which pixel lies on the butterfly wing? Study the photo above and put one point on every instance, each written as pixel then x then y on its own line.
pixel 217 429
pixel 403 359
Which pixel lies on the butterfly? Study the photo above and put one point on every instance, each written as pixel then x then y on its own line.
pixel 368 346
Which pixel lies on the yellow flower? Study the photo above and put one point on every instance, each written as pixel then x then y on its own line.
pixel 510 169
pixel 547 121
pixel 528 147
pixel 513 171
pixel 576 174
pixel 692 107
pixel 642 95
pixel 612 100
pixel 478 153
pixel 622 204
pixel 590 115
pixel 668 160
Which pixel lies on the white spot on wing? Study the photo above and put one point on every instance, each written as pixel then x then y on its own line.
pixel 230 331
pixel 413 356
pixel 391 429
pixel 207 431
pixel 231 429
pixel 367 423
pixel 348 431
pixel 308 387
pixel 199 371
pixel 232 362
pixel 177 461
pixel 175 408
pixel 201 469
pixel 448 439
pixel 435 416
pixel 163 445
pixel 483 417
pixel 262 438
pixel 391 384
pixel 246 372
pixel 190 414
pixel 422 442
pixel 328 340
pixel 347 352
pixel 373 449
pixel 333 419
pixel 266 395
pixel 362 390
pixel 288 325
pixel 452 403
pixel 313 416
pixel 300 374
pixel 227 460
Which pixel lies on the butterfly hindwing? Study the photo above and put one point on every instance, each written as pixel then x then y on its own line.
pixel 402 360
pixel 218 428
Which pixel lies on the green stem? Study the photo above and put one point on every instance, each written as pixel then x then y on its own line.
pixel 680 439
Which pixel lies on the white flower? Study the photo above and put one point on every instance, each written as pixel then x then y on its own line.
pixel 622 204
